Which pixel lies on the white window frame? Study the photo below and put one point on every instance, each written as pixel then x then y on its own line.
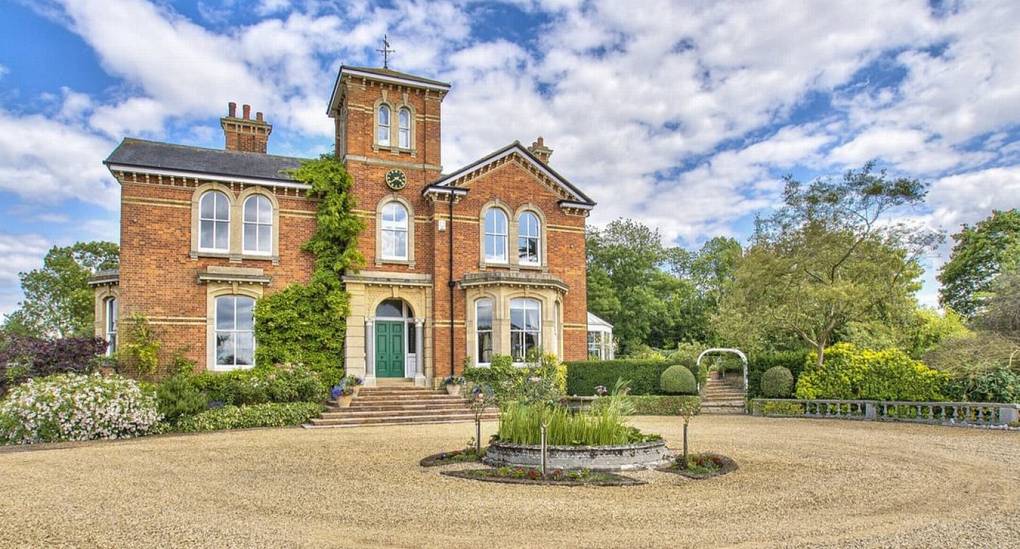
pixel 234 331
pixel 404 129
pixel 396 229
pixel 495 235
pixel 111 325
pixel 216 222
pixel 524 304
pixel 381 137
pixel 537 237
pixel 490 331
pixel 259 222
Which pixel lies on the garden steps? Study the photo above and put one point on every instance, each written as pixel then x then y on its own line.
pixel 723 396
pixel 396 405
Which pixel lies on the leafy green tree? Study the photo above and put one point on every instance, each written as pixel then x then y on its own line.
pixel 622 258
pixel 58 300
pixel 1000 311
pixel 828 257
pixel 980 253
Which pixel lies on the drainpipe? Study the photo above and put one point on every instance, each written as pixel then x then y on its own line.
pixel 451 284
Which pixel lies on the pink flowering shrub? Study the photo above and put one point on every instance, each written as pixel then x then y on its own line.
pixel 76 407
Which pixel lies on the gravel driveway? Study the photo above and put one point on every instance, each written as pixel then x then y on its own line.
pixel 800 483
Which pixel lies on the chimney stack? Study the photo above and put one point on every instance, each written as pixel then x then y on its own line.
pixel 244 134
pixel 540 151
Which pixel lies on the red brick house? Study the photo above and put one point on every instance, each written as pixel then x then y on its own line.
pixel 485 259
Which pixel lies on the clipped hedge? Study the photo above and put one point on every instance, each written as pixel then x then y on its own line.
pixel 643 375
pixel 678 380
pixel 758 364
pixel 849 373
pixel 245 417
pixel 661 405
pixel 777 382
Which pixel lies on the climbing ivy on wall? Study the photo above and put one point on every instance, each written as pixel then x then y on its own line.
pixel 306 323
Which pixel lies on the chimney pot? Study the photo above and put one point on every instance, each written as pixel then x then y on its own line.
pixel 245 134
pixel 540 151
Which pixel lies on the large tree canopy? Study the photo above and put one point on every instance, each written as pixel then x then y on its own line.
pixel 827 258
pixel 58 300
pixel 980 253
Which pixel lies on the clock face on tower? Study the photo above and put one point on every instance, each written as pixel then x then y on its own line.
pixel 396 180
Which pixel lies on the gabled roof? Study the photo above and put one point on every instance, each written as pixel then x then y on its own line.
pixel 382 75
pixel 154 155
pixel 449 183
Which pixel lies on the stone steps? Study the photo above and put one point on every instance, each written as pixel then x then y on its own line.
pixel 723 396
pixel 397 405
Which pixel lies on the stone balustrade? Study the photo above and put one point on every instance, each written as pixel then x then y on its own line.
pixel 984 414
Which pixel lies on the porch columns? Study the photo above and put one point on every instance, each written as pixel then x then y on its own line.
pixel 370 352
pixel 419 353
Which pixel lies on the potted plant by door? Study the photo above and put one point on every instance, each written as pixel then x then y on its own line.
pixel 354 383
pixel 454 384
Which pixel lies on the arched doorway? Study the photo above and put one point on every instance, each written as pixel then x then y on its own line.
pixel 397 340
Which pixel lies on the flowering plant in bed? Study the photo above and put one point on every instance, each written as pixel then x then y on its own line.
pixel 76 407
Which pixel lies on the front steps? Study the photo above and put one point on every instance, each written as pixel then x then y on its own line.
pixel 397 405
pixel 723 396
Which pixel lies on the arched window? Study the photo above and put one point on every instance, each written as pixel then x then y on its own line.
pixel 382 135
pixel 394 231
pixel 529 238
pixel 214 222
pixel 483 328
pixel 525 327
pixel 404 128
pixel 111 325
pixel 495 235
pixel 258 225
pixel 235 332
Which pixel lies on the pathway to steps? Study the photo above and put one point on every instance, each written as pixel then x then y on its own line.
pixel 723 396
pixel 397 404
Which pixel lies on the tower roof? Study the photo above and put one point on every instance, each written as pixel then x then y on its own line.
pixel 383 75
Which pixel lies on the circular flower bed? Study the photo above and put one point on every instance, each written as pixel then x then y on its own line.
pixel 467 455
pixel 557 477
pixel 640 455
pixel 701 466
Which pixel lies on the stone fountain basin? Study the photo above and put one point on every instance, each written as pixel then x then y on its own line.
pixel 644 455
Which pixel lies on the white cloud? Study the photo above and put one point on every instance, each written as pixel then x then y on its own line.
pixel 21 253
pixel 4 71
pixel 970 197
pixel 42 160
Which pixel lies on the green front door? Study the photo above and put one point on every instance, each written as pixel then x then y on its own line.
pixel 389 349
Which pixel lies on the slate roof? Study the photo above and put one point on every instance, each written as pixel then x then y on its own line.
pixel 396 74
pixel 140 153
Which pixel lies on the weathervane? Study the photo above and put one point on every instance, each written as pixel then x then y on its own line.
pixel 386 51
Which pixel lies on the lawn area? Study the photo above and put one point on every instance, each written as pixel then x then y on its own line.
pixel 800 482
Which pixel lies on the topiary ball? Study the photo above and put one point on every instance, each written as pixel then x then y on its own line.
pixel 777 382
pixel 678 380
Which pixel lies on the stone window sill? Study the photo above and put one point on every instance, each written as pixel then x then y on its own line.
pixel 394 149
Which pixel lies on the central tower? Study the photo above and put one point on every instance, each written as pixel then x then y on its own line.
pixel 388 131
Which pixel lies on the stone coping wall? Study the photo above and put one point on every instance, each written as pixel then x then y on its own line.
pixel 643 455
pixel 981 414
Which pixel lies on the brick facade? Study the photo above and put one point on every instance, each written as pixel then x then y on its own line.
pixel 164 277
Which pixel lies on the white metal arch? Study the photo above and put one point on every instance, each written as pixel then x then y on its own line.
pixel 737 352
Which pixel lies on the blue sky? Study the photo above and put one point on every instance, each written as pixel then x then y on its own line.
pixel 683 115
